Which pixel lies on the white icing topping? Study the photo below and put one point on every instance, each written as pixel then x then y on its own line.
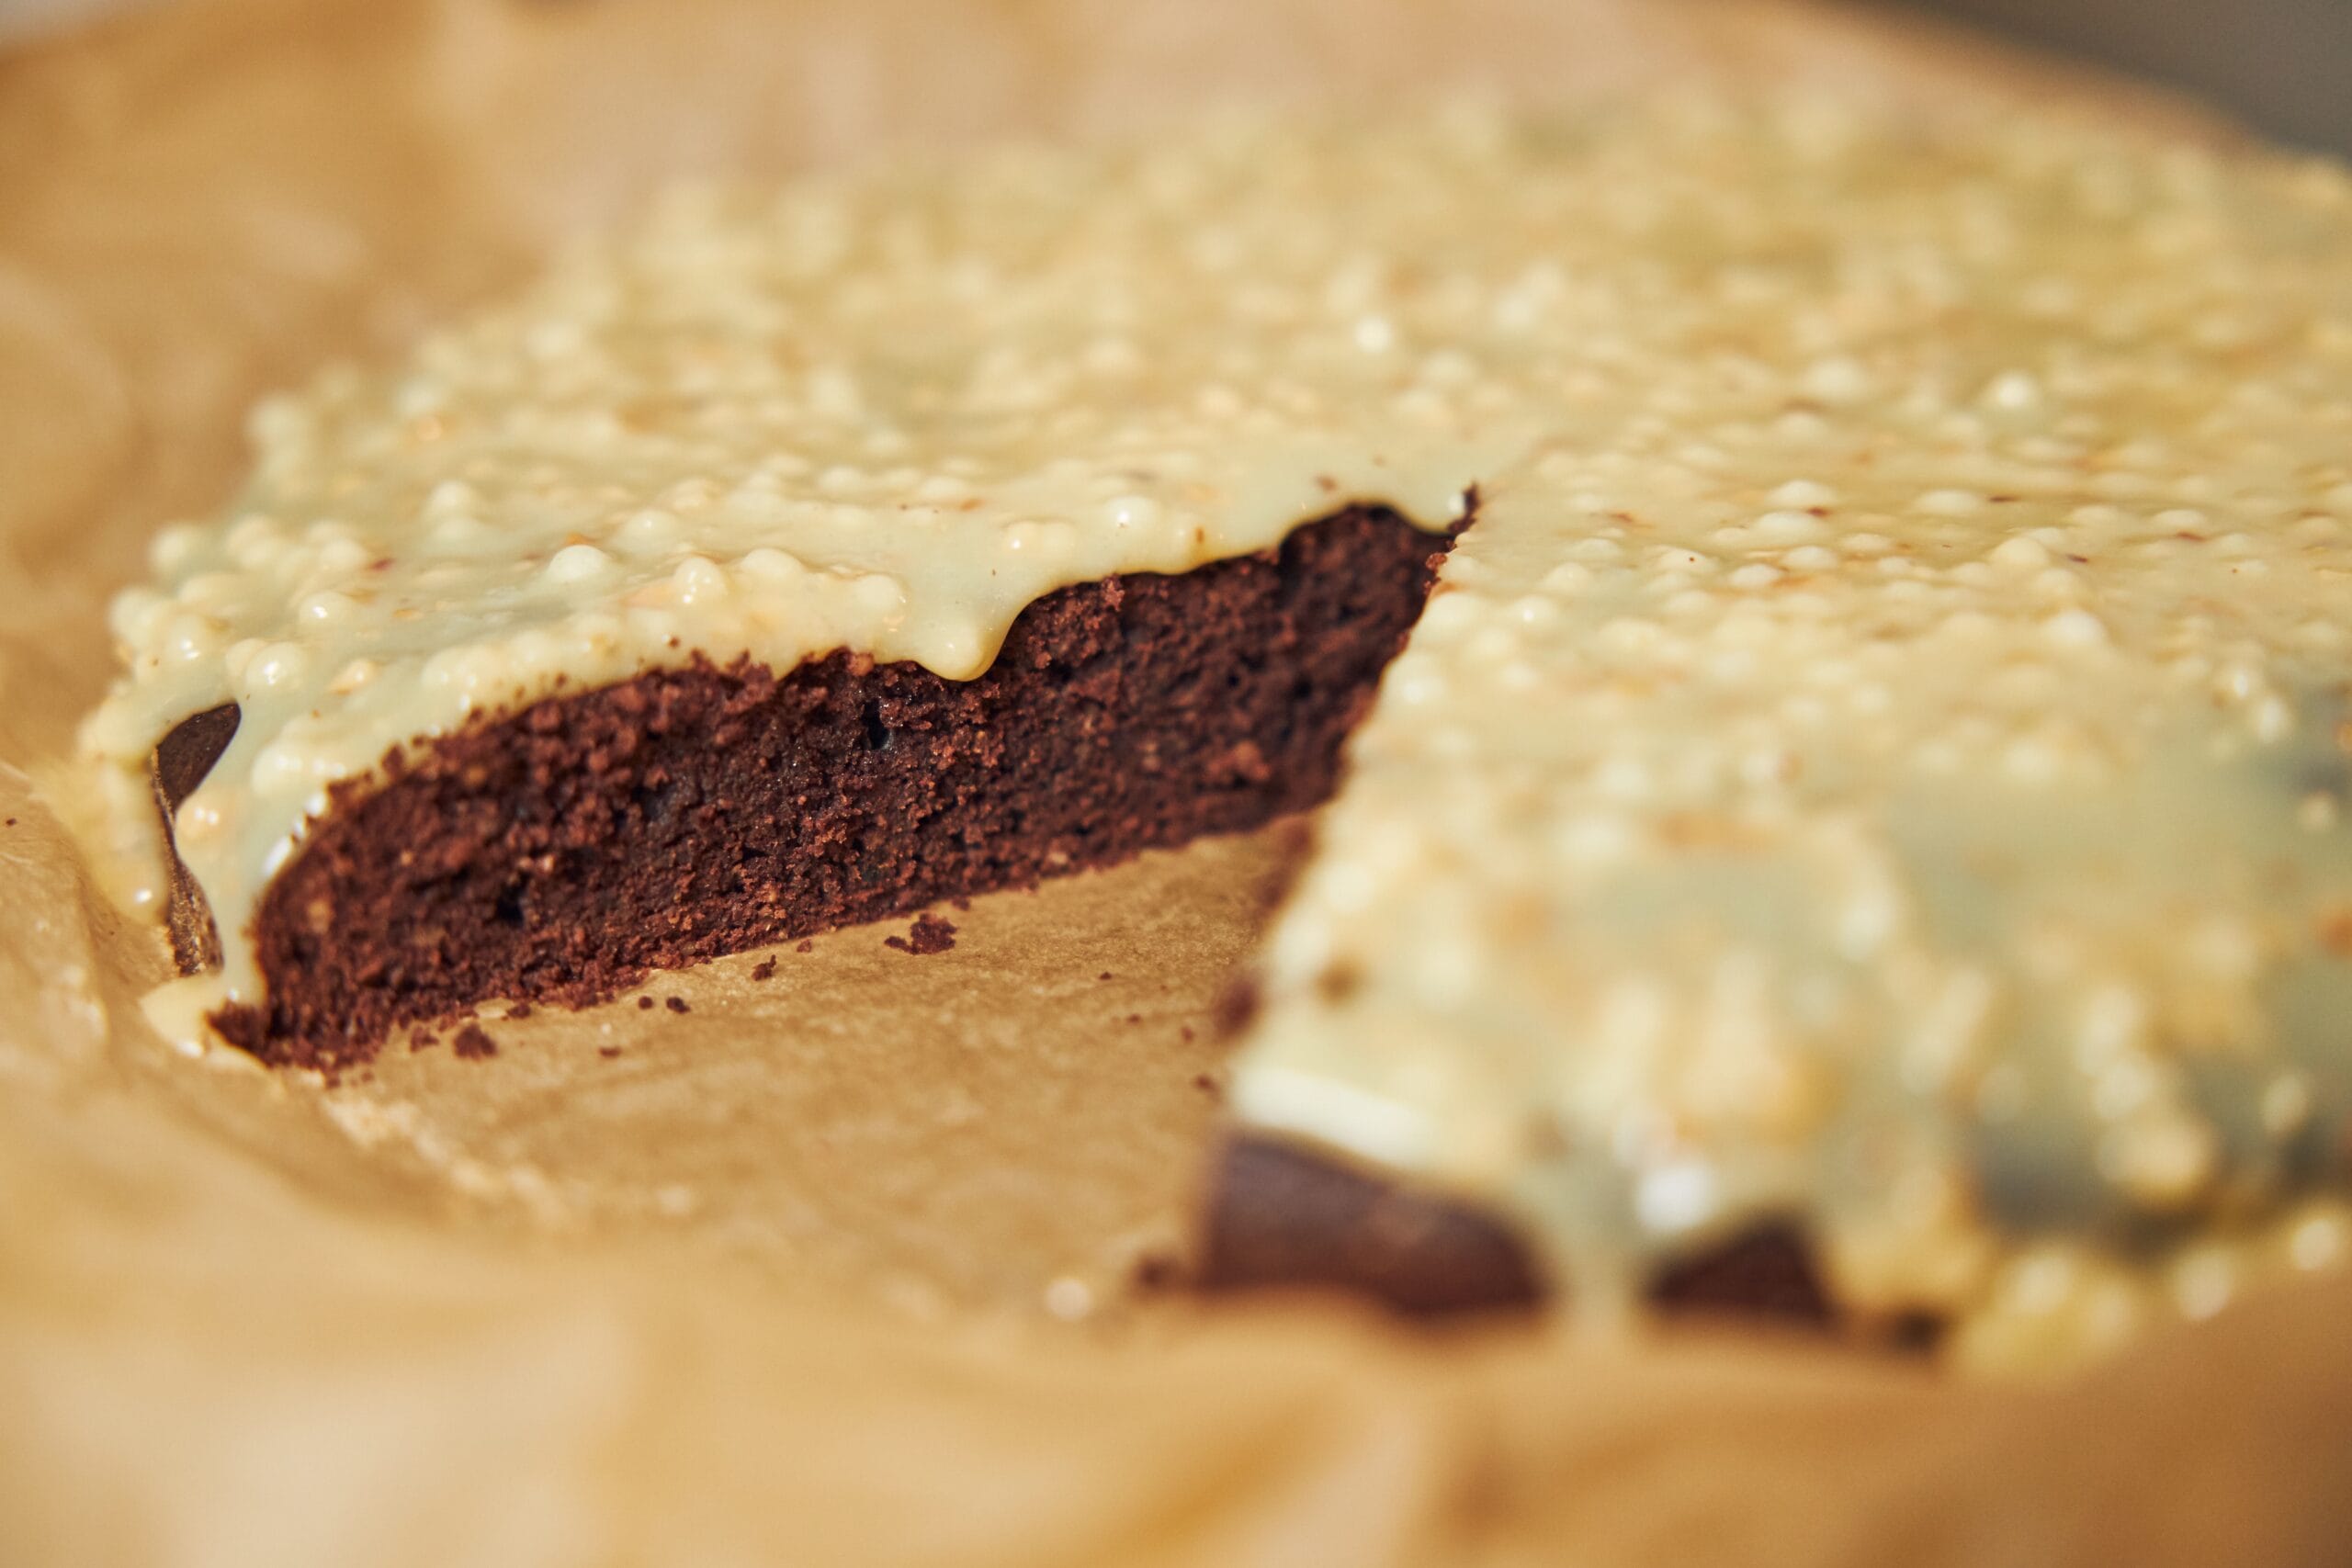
pixel 1878 758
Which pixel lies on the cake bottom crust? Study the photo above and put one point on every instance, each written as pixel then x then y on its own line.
pixel 563 852
pixel 1282 1216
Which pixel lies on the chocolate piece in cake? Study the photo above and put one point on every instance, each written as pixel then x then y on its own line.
pixel 181 760
pixel 563 851
pixel 1282 1217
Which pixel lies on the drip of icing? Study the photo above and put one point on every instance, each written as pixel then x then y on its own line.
pixel 1877 759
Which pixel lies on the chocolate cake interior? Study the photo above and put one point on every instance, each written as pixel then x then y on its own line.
pixel 563 851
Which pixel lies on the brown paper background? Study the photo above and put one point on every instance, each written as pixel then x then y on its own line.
pixel 769 1285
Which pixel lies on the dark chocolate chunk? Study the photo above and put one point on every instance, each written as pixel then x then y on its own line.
pixel 182 759
pixel 185 755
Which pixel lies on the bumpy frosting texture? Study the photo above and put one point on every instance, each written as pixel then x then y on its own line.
pixel 1877 758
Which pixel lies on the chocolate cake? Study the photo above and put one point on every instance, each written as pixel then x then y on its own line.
pixel 1856 832
pixel 563 852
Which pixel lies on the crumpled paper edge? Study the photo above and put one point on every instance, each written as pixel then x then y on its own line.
pixel 214 1347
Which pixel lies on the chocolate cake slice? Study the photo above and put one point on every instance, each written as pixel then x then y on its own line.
pixel 563 851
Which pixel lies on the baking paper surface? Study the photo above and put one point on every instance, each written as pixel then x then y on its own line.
pixel 833 1267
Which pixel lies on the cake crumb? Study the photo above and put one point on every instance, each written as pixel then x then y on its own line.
pixel 1135 1017
pixel 1157 1271
pixel 806 944
pixel 644 1004
pixel 1104 975
pixel 1236 1007
pixel 1187 1032
pixel 473 1043
pixel 1207 1083
pixel 676 1004
pixel 608 1052
pixel 928 935
pixel 520 1010
pixel 765 969
pixel 420 1039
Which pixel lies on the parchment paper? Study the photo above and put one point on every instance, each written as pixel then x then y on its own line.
pixel 832 1268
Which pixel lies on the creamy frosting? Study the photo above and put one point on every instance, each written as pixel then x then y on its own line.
pixel 1877 758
